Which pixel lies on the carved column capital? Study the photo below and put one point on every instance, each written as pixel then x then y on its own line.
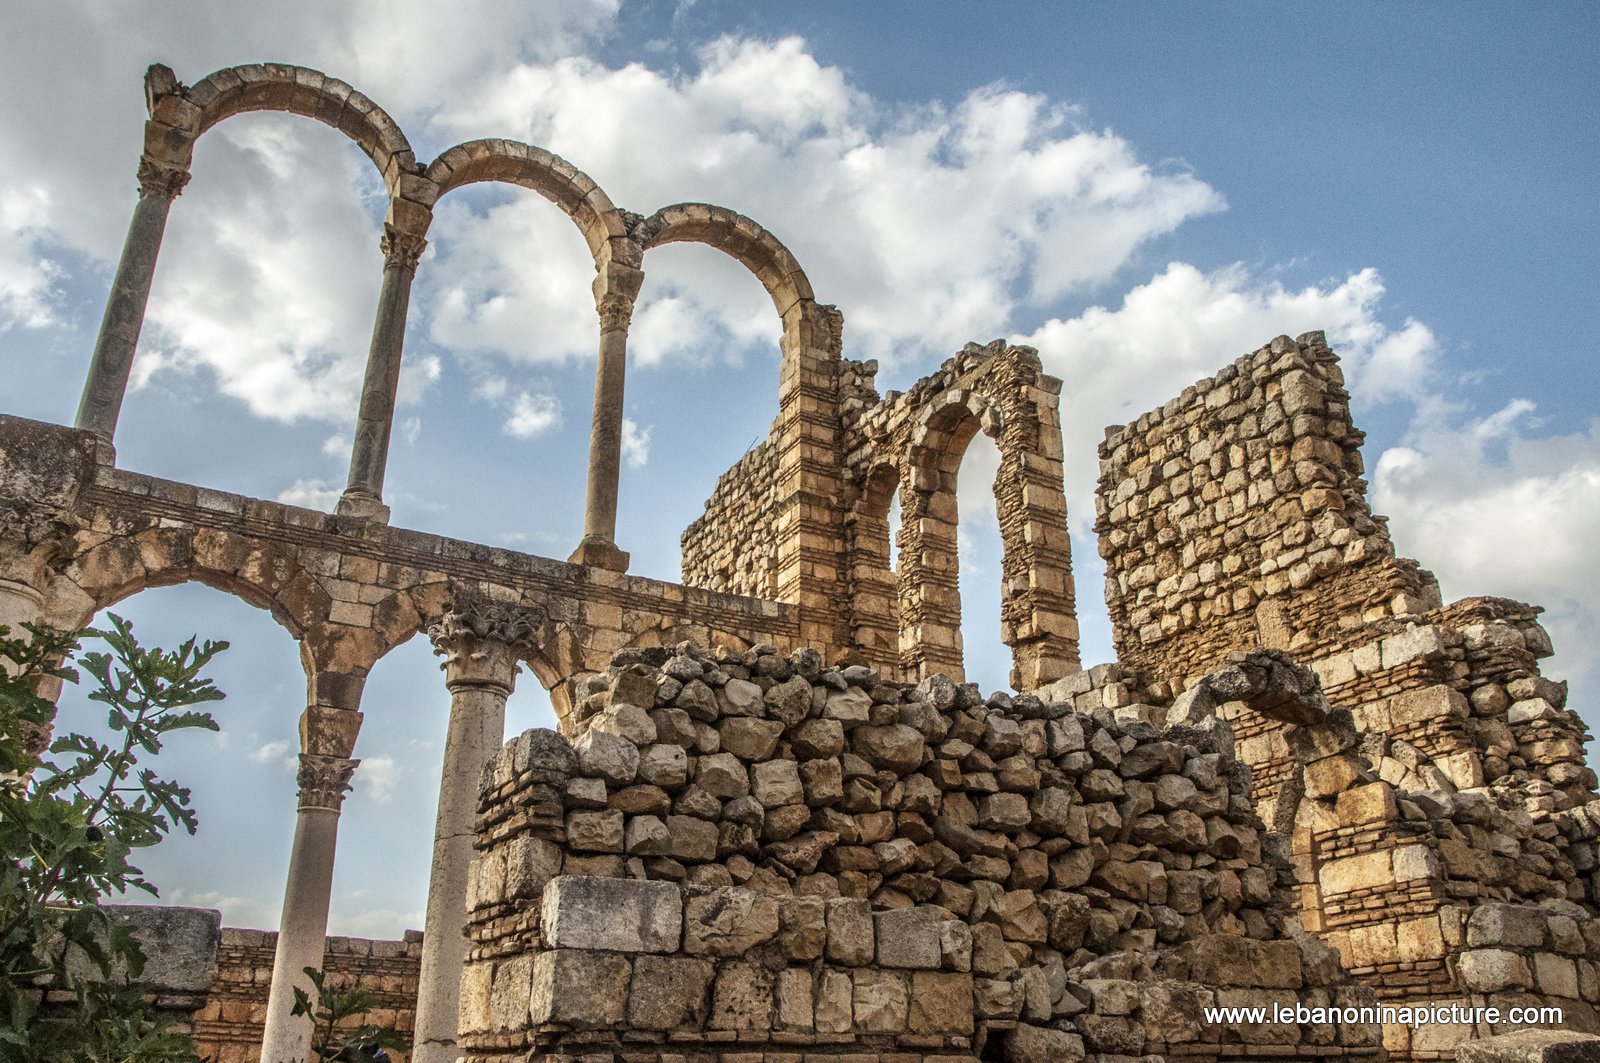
pixel 401 249
pixel 616 312
pixel 160 180
pixel 480 640
pixel 324 781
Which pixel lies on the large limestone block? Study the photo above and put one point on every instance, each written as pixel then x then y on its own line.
pixel 880 1001
pixel 743 998
pixel 850 932
pixel 669 992
pixel 941 1003
pixel 1493 970
pixel 729 922
pixel 1033 1044
pixel 1506 924
pixel 909 938
pixel 1532 1046
pixel 1228 960
pixel 615 914
pixel 603 977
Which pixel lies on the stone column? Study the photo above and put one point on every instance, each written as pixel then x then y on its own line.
pixel 159 185
pixel 479 643
pixel 303 928
pixel 369 456
pixel 599 546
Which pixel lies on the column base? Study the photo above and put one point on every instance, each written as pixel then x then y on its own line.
pixel 598 553
pixel 362 505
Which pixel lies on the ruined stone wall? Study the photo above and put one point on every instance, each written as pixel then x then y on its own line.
pixel 907 623
pixel 1435 797
pixel 1235 515
pixel 228 1028
pixel 733 547
pixel 748 853
pixel 915 441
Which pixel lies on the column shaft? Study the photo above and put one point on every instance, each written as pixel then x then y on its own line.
pixel 477 726
pixel 303 928
pixel 605 455
pixel 124 317
pixel 605 438
pixel 369 456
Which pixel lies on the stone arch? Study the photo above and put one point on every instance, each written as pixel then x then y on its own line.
pixel 1003 392
pixel 739 238
pixel 875 601
pixel 930 595
pixel 293 90
pixel 257 573
pixel 603 227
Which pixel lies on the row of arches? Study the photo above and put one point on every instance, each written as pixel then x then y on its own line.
pixel 617 241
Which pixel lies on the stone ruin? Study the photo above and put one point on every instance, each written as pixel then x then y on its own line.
pixel 776 825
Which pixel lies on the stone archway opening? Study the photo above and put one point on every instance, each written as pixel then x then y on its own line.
pixel 242 778
pixel 980 556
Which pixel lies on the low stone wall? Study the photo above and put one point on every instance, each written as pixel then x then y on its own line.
pixel 748 853
pixel 228 1028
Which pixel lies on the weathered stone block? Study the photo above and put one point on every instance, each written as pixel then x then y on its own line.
pixel 795 1005
pixel 604 996
pixel 729 922
pixel 908 938
pixel 880 1001
pixel 668 992
pixel 621 915
pixel 742 998
pixel 1506 924
pixel 940 1003
pixel 595 832
pixel 1493 970
pixel 850 932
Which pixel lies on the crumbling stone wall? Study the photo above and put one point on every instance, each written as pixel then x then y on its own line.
pixel 907 622
pixel 749 853
pixel 733 547
pixel 228 1028
pixel 1236 515
pixel 1430 781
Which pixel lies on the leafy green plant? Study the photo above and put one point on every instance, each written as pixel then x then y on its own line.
pixel 70 821
pixel 331 1038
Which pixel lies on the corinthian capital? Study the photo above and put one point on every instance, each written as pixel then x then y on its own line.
pixel 324 780
pixel 616 312
pixel 161 180
pixel 480 640
pixel 400 248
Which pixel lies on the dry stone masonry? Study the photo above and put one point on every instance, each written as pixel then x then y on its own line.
pixel 775 826
pixel 749 856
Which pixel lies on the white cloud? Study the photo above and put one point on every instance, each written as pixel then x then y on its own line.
pixel 849 184
pixel 278 753
pixel 635 443
pixel 1184 324
pixel 311 494
pixel 532 414
pixel 384 924
pixel 237 911
pixel 377 777
pixel 27 278
pixel 1493 508
pixel 336 444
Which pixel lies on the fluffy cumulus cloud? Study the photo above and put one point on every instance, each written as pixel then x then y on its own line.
pixel 635 443
pixel 1495 505
pixel 532 415
pixel 763 127
pixel 1120 361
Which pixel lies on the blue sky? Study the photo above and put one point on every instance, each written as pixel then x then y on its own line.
pixel 1143 192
